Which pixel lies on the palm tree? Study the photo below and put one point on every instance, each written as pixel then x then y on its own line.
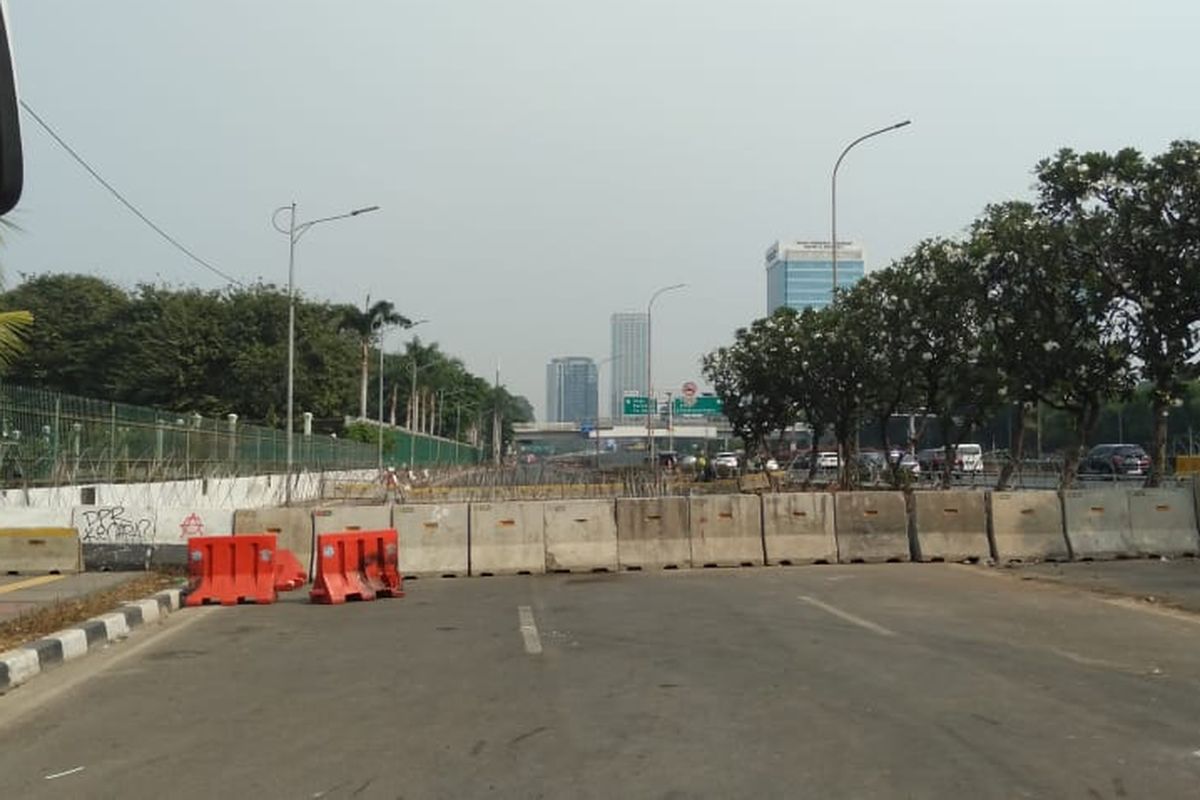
pixel 366 324
pixel 13 325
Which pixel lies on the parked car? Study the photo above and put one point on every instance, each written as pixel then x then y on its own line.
pixel 931 459
pixel 828 459
pixel 725 463
pixel 1116 459
pixel 908 462
pixel 871 459
pixel 968 459
pixel 872 464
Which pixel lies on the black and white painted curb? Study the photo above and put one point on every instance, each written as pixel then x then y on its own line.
pixel 25 662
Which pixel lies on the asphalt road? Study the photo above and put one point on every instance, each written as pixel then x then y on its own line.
pixel 923 681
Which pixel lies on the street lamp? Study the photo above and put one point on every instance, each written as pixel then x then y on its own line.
pixel 649 373
pixel 381 331
pixel 294 231
pixel 455 396
pixel 833 199
pixel 412 401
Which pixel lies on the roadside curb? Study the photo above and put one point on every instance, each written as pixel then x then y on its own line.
pixel 21 664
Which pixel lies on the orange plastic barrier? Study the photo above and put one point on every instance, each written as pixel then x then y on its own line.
pixel 289 574
pixel 358 565
pixel 231 569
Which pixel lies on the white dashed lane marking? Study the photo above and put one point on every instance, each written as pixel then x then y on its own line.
pixel 529 631
pixel 848 617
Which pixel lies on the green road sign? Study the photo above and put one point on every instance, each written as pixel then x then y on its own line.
pixel 635 406
pixel 697 406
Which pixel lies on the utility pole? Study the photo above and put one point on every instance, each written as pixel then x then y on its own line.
pixel 496 437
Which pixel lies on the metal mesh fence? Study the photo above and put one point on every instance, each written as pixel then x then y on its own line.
pixel 48 438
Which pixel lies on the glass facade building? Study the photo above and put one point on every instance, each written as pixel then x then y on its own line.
pixel 800 274
pixel 572 390
pixel 629 337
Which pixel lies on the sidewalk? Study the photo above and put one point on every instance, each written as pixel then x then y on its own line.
pixel 21 594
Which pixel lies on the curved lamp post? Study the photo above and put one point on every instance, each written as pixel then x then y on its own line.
pixel 650 409
pixel 294 231
pixel 833 201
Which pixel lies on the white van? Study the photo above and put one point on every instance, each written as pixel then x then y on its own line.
pixel 969 459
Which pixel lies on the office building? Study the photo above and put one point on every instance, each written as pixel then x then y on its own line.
pixel 572 390
pixel 800 274
pixel 629 337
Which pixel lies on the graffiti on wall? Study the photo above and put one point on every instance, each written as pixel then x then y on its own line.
pixel 116 525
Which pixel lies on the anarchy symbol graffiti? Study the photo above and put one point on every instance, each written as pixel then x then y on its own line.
pixel 192 525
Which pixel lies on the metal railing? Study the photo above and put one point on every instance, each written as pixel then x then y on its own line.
pixel 53 439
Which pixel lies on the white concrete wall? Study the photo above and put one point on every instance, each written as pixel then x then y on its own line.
pixel 258 491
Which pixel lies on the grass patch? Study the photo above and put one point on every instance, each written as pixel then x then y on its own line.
pixel 63 614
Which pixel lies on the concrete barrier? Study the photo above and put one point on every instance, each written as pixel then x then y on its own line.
pixel 1162 522
pixel 871 527
pixel 433 539
pixel 726 530
pixel 1028 526
pixel 652 533
pixel 39 550
pixel 1196 500
pixel 335 519
pixel 798 528
pixel 507 538
pixel 1097 523
pixel 581 535
pixel 951 526
pixel 293 528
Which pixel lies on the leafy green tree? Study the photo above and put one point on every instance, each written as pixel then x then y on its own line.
pixel 953 378
pixel 887 304
pixel 79 336
pixel 752 387
pixel 1057 322
pixel 799 370
pixel 839 347
pixel 1138 222
pixel 1016 253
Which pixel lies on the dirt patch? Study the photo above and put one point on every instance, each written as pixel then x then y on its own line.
pixel 52 618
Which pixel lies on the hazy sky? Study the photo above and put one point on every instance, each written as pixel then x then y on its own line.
pixel 543 163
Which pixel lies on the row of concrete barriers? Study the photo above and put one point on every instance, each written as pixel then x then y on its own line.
pixel 742 530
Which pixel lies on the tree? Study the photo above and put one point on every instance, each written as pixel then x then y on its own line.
pixel 953 378
pixel 838 355
pixel 1056 320
pixel 802 376
pixel 887 303
pixel 14 326
pixel 1138 222
pixel 752 387
pixel 366 324
pixel 1017 254
pixel 74 353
